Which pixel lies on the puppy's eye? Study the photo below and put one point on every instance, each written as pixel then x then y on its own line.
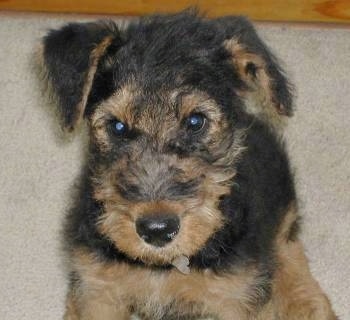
pixel 195 122
pixel 119 128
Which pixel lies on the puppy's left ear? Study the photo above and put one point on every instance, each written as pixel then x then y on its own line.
pixel 71 56
pixel 266 90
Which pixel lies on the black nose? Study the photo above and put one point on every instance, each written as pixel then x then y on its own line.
pixel 159 229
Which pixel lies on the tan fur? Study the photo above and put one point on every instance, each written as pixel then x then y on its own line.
pixel 95 56
pixel 72 306
pixel 158 121
pixel 199 102
pixel 153 292
pixel 199 220
pixel 196 102
pixel 118 106
pixel 258 98
pixel 296 294
pixel 89 306
pixel 163 126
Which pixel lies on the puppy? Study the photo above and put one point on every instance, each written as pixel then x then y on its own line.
pixel 187 206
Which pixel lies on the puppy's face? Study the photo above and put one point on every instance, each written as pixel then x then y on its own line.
pixel 163 160
pixel 168 102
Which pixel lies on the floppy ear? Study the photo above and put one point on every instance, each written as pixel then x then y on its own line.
pixel 266 91
pixel 71 56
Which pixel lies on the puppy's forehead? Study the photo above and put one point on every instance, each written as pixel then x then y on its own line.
pixel 136 106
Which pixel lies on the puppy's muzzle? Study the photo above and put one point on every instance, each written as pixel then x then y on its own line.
pixel 158 230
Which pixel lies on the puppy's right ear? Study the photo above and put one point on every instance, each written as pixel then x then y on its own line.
pixel 266 93
pixel 71 56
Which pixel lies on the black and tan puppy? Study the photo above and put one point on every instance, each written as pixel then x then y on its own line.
pixel 187 205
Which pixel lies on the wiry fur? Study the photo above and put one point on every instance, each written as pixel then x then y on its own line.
pixel 229 184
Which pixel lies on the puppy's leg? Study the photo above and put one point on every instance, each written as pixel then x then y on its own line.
pixel 93 308
pixel 72 312
pixel 296 294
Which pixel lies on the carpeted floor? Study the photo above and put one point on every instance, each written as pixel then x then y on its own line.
pixel 37 165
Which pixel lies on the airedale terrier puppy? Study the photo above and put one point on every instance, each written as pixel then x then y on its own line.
pixel 187 206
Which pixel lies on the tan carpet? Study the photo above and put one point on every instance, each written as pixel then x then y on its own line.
pixel 37 166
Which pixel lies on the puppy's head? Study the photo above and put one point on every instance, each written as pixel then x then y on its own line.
pixel 168 101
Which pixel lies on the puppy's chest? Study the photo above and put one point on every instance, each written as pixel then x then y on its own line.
pixel 170 296
pixel 159 295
